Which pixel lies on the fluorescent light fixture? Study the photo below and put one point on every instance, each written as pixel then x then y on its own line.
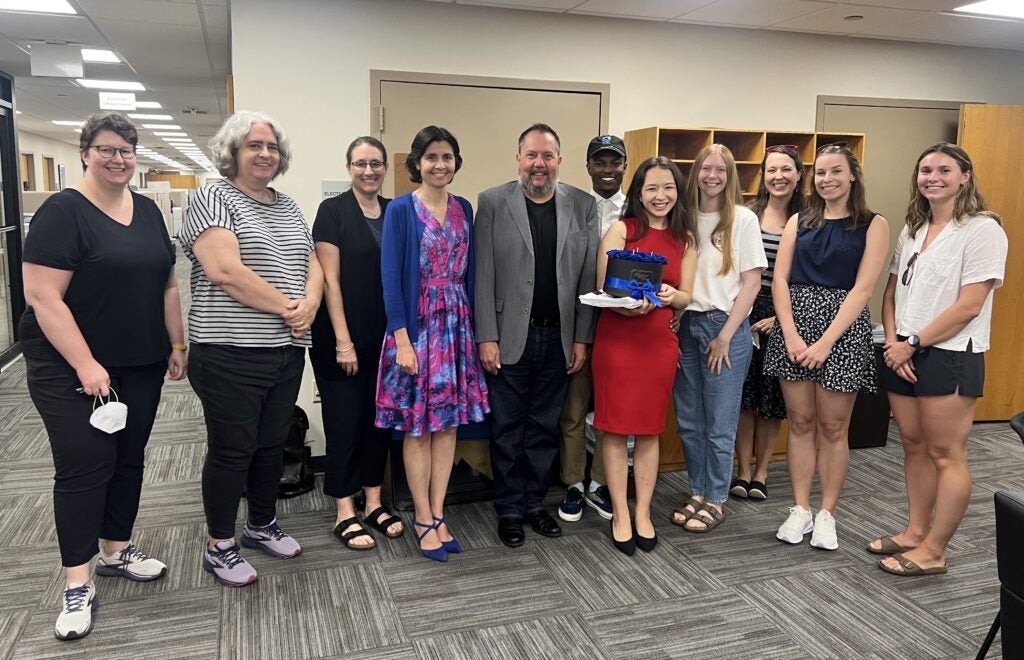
pixel 61 122
pixel 77 130
pixel 99 55
pixel 177 140
pixel 136 115
pixel 38 6
pixel 162 127
pixel 169 134
pixel 149 105
pixel 122 85
pixel 1001 8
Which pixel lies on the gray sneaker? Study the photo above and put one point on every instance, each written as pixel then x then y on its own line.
pixel 132 563
pixel 271 540
pixel 75 618
pixel 228 567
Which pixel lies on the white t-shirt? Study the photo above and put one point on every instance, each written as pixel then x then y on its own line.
pixel 714 291
pixel 609 209
pixel 962 253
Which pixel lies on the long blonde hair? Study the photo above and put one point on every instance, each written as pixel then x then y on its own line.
pixel 969 201
pixel 721 235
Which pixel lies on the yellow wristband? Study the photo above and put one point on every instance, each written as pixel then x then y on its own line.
pixel 179 347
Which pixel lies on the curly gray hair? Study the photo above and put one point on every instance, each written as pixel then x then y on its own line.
pixel 229 138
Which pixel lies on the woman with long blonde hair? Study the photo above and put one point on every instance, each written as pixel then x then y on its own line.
pixel 829 260
pixel 937 313
pixel 714 334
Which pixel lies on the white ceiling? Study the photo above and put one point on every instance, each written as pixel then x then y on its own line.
pixel 179 49
pixel 903 20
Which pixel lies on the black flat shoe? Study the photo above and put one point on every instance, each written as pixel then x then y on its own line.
pixel 627 547
pixel 510 531
pixel 758 490
pixel 739 488
pixel 543 524
pixel 644 543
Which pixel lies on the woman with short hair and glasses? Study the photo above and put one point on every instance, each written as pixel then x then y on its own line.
pixel 937 313
pixel 347 336
pixel 104 320
pixel 829 260
pixel 779 196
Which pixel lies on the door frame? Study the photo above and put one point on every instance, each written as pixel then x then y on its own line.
pixel 379 76
pixel 14 231
pixel 877 102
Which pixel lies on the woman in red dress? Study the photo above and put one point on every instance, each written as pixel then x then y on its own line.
pixel 635 351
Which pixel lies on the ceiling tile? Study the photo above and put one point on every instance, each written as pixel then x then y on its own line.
pixel 643 9
pixel 540 5
pixel 142 11
pixel 752 13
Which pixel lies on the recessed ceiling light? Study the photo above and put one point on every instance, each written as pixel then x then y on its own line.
pixel 99 55
pixel 149 105
pixel 1003 8
pixel 38 6
pixel 169 134
pixel 162 127
pixel 124 85
pixel 62 122
pixel 136 115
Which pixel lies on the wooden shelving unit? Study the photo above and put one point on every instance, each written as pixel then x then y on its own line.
pixel 748 147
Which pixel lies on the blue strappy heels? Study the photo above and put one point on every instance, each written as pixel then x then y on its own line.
pixel 437 554
pixel 453 546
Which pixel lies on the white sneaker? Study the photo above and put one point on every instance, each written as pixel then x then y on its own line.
pixel 75 618
pixel 130 562
pixel 824 536
pixel 799 523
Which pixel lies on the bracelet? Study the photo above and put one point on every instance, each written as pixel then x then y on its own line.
pixel 344 350
pixel 179 347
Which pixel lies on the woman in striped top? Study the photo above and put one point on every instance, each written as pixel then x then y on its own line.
pixel 256 286
pixel 779 196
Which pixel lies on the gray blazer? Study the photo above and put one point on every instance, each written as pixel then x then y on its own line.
pixel 505 267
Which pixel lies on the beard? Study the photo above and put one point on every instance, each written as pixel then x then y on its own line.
pixel 533 191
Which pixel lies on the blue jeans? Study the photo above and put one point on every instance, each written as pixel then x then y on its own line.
pixel 526 402
pixel 708 404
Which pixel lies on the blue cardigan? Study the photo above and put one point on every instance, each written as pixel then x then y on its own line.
pixel 400 262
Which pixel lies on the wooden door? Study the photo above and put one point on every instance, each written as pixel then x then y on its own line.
pixel 993 135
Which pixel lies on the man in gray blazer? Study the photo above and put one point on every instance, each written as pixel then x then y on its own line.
pixel 536 241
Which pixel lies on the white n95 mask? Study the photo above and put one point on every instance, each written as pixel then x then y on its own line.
pixel 109 417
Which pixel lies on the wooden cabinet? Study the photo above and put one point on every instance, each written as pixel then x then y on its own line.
pixel 748 147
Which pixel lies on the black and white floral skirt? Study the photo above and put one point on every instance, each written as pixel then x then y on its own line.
pixel 851 365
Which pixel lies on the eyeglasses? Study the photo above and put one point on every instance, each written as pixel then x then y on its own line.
pixel 908 274
pixel 782 148
pixel 375 165
pixel 128 153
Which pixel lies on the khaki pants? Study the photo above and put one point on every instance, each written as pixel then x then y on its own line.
pixel 573 457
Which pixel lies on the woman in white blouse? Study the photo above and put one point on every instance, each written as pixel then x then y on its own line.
pixel 937 313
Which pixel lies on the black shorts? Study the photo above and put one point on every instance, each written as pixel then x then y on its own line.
pixel 940 372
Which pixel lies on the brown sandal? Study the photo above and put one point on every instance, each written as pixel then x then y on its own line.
pixel 909 568
pixel 713 519
pixel 685 513
pixel 888 547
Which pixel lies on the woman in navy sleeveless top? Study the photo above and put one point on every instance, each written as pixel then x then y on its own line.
pixel 829 260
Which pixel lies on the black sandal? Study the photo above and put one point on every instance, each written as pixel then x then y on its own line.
pixel 348 537
pixel 373 519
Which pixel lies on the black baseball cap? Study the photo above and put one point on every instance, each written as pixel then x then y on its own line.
pixel 606 143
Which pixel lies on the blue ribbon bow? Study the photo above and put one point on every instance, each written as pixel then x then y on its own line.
pixel 637 291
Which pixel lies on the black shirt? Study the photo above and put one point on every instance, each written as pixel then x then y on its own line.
pixel 340 222
pixel 544 230
pixel 119 275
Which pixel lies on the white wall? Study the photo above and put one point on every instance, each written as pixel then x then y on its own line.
pixel 62 153
pixel 307 63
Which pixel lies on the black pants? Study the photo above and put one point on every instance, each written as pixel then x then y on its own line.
pixel 248 397
pixel 526 402
pixel 98 477
pixel 356 450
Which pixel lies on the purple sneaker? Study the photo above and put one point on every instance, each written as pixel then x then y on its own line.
pixel 271 540
pixel 228 567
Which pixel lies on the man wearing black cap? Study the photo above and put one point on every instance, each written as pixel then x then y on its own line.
pixel 606 165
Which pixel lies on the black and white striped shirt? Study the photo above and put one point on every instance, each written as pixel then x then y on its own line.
pixel 771 250
pixel 274 242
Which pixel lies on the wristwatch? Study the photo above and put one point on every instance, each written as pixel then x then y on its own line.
pixel 915 342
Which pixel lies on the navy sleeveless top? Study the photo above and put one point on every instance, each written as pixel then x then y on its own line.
pixel 829 256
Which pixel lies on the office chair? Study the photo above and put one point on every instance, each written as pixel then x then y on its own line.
pixel 1009 546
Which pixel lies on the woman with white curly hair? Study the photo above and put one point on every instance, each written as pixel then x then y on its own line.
pixel 256 286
